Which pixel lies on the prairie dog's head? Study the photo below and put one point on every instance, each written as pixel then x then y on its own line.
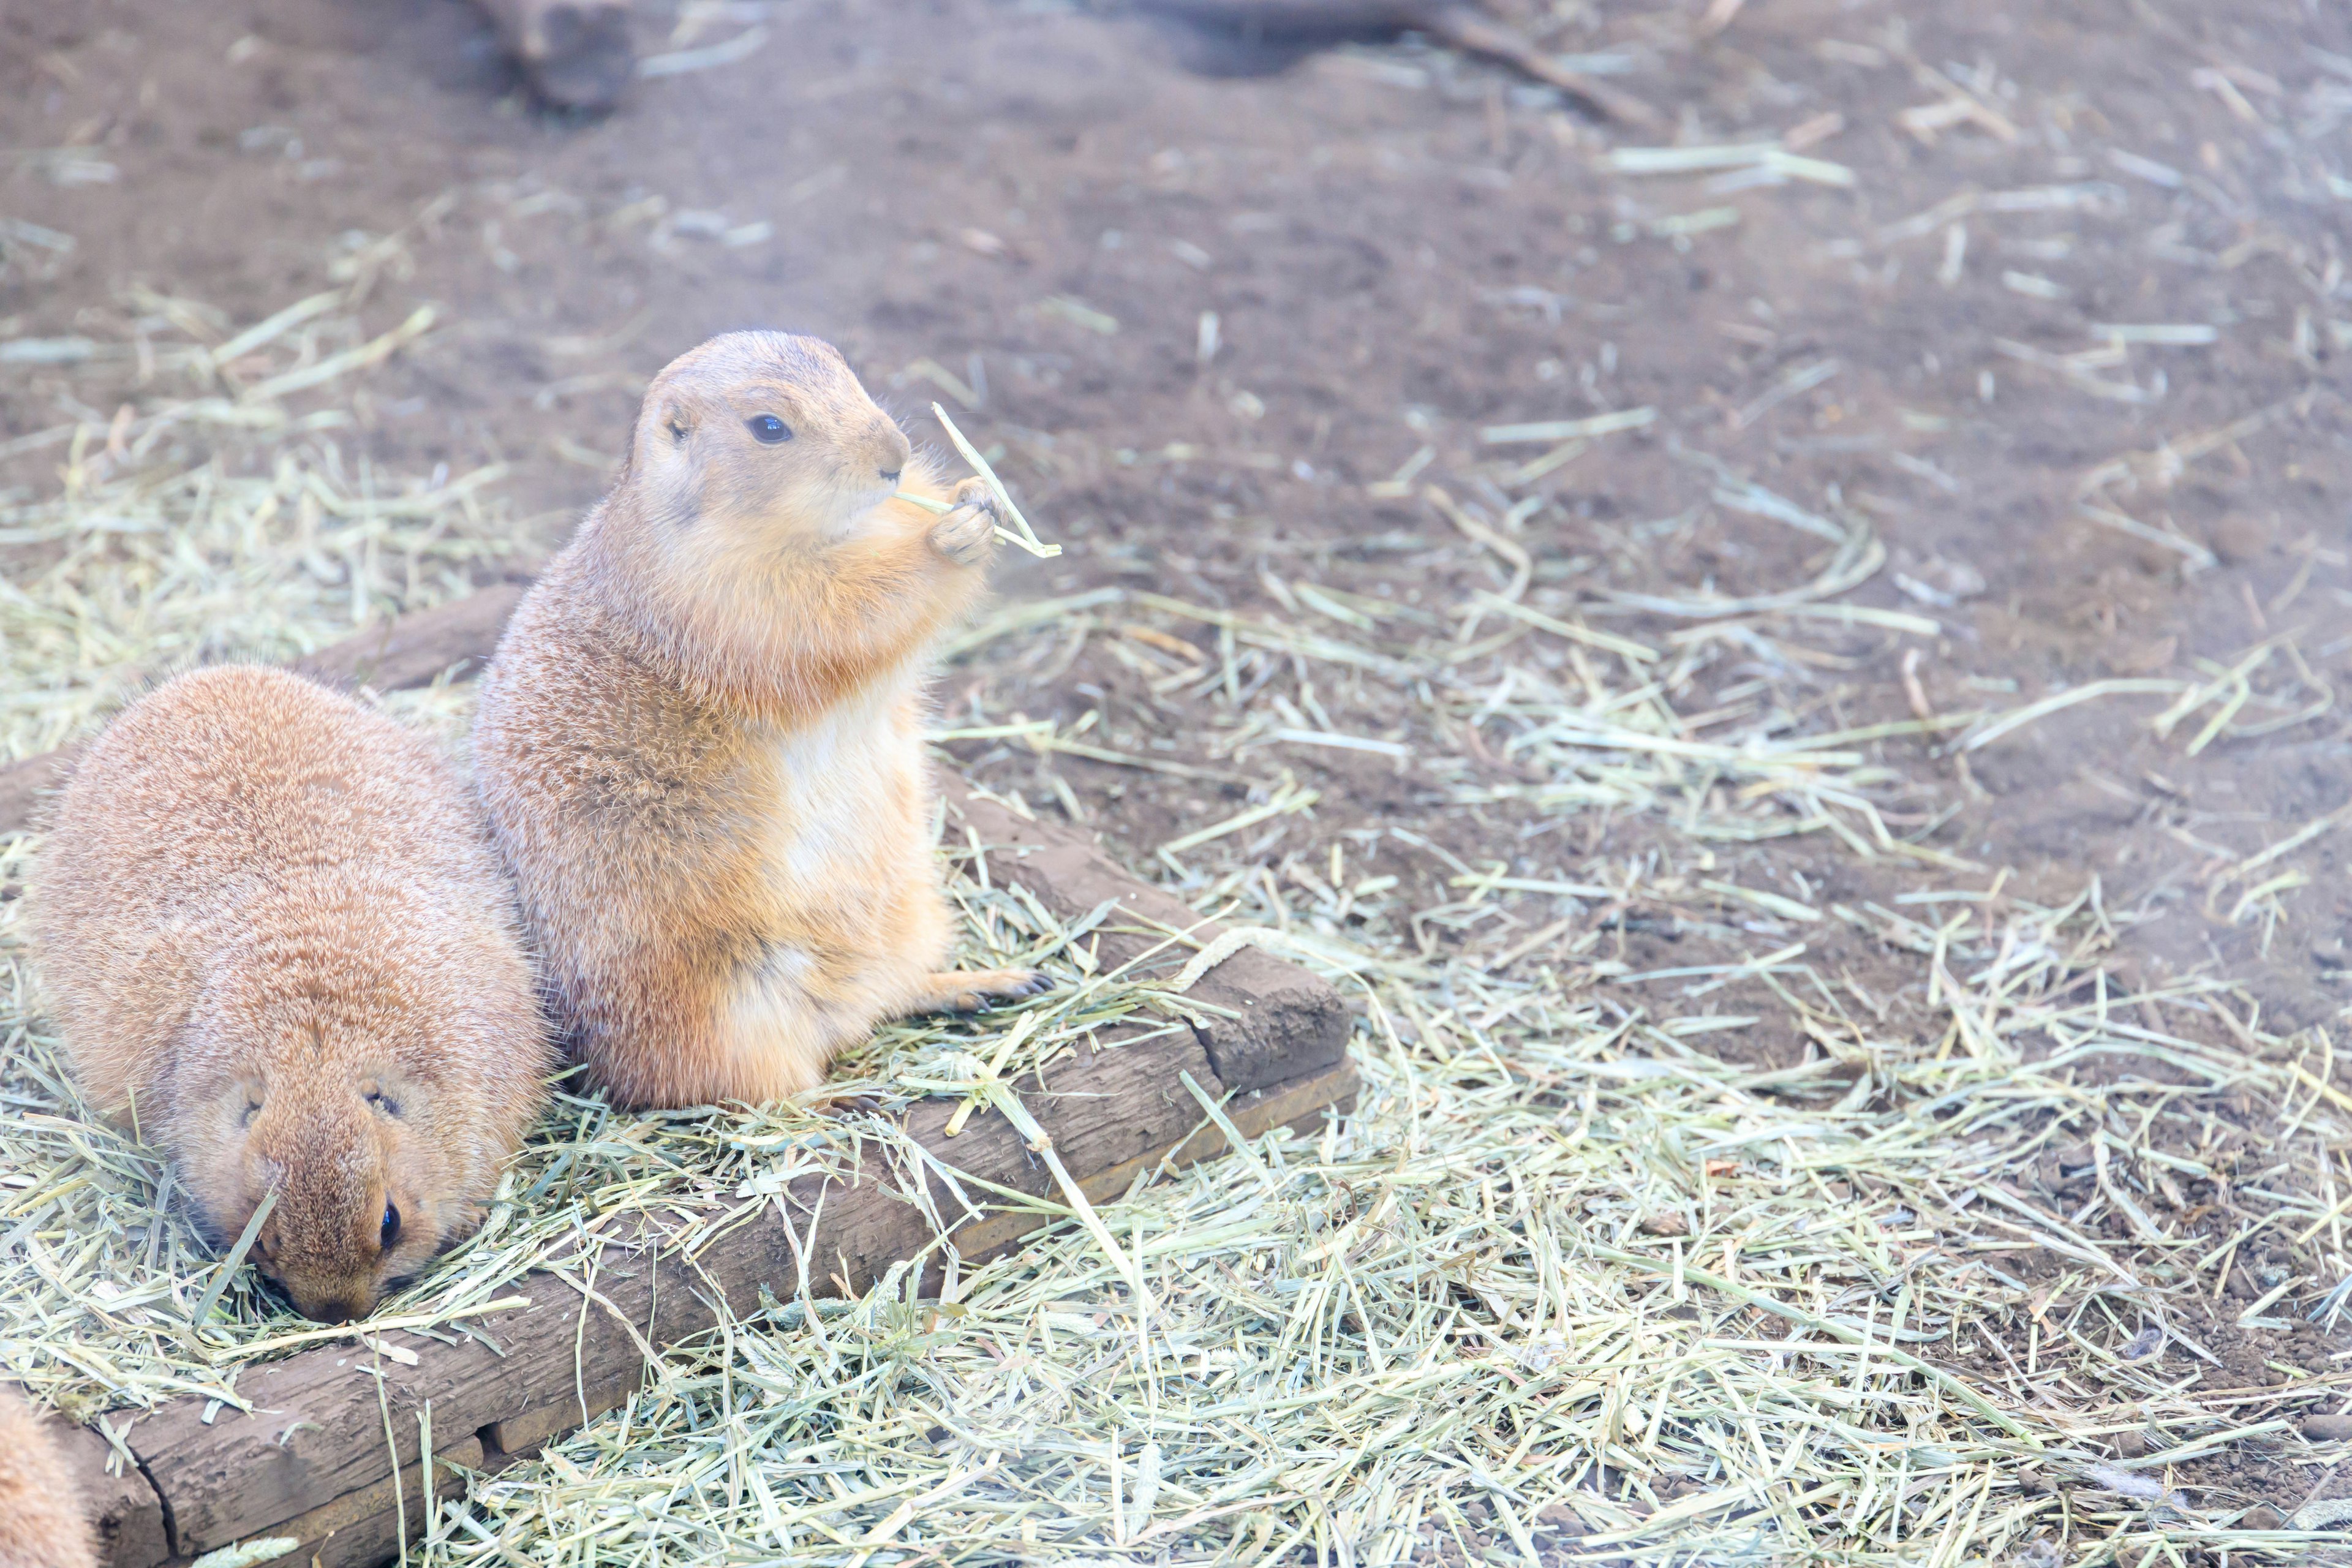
pixel 374 1161
pixel 357 1209
pixel 756 442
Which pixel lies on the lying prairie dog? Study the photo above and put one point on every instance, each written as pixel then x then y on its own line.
pixel 41 1521
pixel 701 741
pixel 276 942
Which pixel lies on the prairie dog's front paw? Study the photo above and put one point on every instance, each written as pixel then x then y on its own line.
pixel 967 535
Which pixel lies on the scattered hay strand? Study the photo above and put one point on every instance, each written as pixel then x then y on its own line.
pixel 1566 1285
pixel 1021 533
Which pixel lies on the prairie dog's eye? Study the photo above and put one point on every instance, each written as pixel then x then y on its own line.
pixel 388 1235
pixel 769 429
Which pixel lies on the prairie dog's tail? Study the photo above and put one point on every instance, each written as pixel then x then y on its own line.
pixel 41 1522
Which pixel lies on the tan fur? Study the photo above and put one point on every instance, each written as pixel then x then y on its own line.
pixel 274 937
pixel 701 741
pixel 41 1522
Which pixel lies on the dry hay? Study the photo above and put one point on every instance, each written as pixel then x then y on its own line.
pixel 1566 1287
pixel 108 1297
pixel 222 522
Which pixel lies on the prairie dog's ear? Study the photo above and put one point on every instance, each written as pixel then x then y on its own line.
pixel 678 420
pixel 389 1096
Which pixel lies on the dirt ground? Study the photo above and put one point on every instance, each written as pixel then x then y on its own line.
pixel 1035 211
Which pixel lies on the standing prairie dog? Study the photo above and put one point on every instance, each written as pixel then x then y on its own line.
pixel 275 940
pixel 701 741
pixel 41 1522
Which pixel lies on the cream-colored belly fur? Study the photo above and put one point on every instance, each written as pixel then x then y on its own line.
pixel 853 918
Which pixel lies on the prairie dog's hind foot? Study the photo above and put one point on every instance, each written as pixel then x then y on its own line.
pixel 969 990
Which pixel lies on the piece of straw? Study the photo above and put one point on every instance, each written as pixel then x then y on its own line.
pixel 235 1258
pixel 1025 536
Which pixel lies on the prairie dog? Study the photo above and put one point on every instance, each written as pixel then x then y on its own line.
pixel 700 741
pixel 275 940
pixel 41 1522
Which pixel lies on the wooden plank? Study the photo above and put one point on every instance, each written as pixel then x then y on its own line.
pixel 1277 1003
pixel 364 1527
pixel 317 1427
pixel 410 651
pixel 124 1508
pixel 1299 1105
pixel 413 650
pixel 535 1428
pixel 1271 1037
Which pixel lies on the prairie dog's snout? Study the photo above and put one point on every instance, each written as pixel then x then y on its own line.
pixel 271 928
pixel 881 449
pixel 354 1213
pixel 892 450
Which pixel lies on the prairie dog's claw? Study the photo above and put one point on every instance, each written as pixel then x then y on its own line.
pixel 967 535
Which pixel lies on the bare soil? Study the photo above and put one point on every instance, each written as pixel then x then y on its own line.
pixel 1400 247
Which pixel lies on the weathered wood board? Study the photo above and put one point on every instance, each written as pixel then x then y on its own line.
pixel 313 1458
pixel 411 651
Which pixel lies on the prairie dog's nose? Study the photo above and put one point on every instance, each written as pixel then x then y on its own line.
pixel 327 1309
pixel 892 450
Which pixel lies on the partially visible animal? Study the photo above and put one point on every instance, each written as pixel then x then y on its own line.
pixel 277 945
pixel 41 1520
pixel 700 741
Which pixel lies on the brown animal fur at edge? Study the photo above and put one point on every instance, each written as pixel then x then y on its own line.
pixel 701 741
pixel 275 940
pixel 41 1522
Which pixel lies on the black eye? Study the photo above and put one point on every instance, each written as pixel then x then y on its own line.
pixel 390 1235
pixel 770 429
